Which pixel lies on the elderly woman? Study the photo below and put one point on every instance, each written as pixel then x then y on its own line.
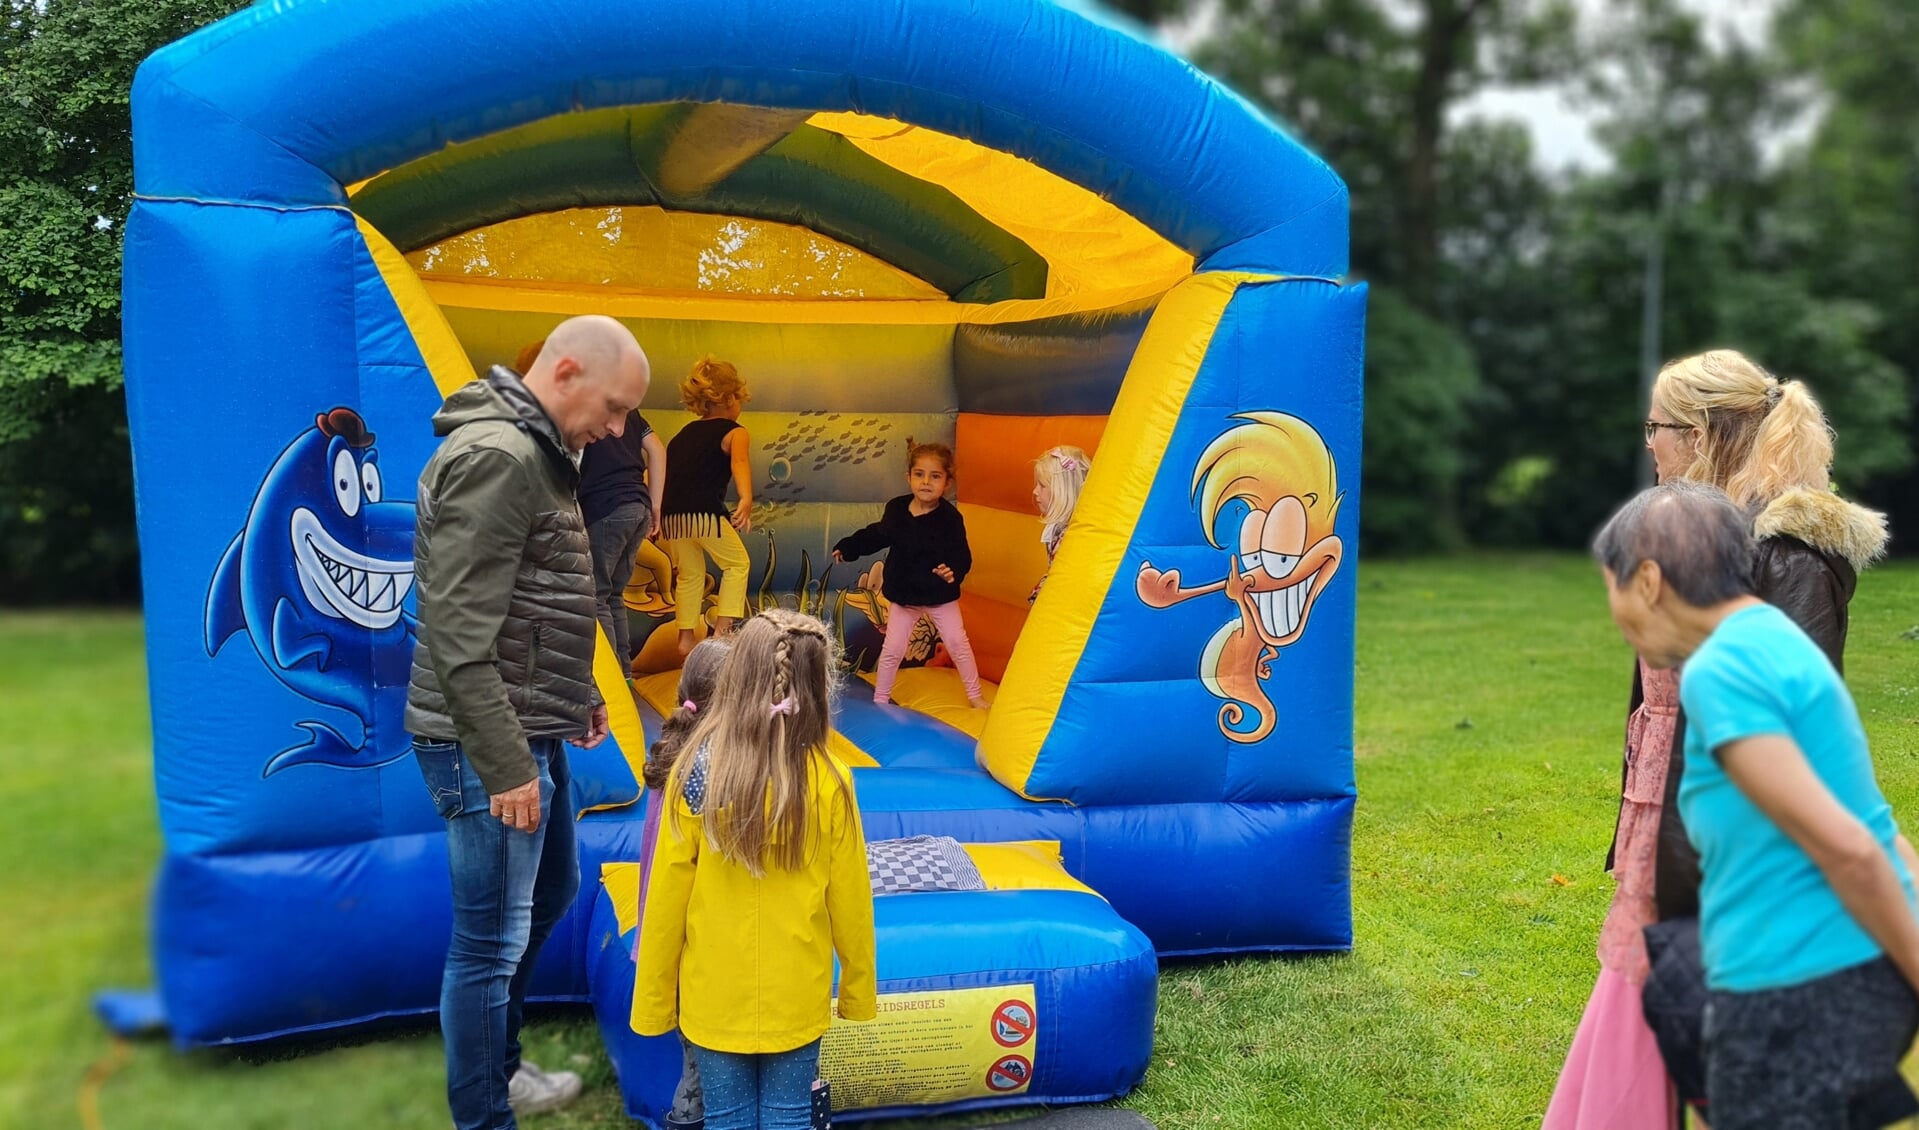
pixel 1807 922
pixel 1715 418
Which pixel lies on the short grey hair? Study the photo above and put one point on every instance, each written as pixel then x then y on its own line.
pixel 1701 541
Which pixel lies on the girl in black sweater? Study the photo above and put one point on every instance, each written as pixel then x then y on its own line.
pixel 923 572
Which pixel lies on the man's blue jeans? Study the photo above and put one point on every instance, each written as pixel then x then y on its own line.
pixel 509 888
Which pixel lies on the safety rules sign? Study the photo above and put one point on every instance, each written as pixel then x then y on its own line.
pixel 935 1047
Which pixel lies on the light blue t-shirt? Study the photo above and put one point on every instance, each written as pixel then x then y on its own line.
pixel 1767 917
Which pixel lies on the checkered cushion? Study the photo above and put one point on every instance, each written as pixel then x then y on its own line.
pixel 921 863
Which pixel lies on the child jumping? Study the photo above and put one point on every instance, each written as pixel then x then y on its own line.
pixel 698 676
pixel 1058 475
pixel 758 879
pixel 693 517
pixel 923 572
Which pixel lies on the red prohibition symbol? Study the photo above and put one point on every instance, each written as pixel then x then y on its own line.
pixel 1012 1024
pixel 1010 1073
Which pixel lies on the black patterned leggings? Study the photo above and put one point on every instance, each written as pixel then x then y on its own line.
pixel 1819 1056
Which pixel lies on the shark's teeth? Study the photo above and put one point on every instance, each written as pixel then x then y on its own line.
pixel 372 590
pixel 344 582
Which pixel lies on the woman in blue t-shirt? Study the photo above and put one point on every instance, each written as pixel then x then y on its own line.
pixel 1807 919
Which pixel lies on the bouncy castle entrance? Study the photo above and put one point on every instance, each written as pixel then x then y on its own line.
pixel 875 282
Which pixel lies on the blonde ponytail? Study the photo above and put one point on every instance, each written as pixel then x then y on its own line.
pixel 1792 449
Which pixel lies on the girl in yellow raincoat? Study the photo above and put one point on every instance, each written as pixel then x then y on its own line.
pixel 758 879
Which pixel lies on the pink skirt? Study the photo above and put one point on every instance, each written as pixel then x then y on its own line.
pixel 1613 1078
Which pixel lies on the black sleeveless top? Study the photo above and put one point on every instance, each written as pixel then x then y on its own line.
pixel 698 470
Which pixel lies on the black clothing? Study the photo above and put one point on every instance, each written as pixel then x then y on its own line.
pixel 698 470
pixel 919 543
pixel 1820 1055
pixel 612 469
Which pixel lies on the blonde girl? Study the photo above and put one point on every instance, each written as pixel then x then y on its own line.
pixel 694 521
pixel 1058 476
pixel 758 880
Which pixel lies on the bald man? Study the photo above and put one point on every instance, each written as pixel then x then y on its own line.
pixel 503 678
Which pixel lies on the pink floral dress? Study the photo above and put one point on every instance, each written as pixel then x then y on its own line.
pixel 1649 735
pixel 1613 1078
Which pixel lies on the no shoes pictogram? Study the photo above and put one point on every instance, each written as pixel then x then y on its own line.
pixel 1010 1073
pixel 1013 1023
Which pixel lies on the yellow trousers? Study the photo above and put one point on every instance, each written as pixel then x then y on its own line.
pixel 689 560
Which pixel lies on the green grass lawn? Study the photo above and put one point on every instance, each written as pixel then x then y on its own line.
pixel 1491 693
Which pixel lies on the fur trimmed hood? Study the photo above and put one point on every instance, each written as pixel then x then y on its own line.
pixel 1827 523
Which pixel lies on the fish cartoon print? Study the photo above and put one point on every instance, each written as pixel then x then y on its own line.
pixel 1279 471
pixel 319 580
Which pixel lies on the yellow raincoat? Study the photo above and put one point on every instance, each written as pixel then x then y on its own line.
pixel 745 965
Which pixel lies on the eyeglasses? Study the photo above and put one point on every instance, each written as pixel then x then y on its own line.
pixel 1652 428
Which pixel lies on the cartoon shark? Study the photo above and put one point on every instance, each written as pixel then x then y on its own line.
pixel 319 580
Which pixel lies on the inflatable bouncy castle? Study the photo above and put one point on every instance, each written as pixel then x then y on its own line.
pixel 1002 226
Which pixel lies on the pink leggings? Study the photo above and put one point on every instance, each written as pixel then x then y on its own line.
pixel 900 623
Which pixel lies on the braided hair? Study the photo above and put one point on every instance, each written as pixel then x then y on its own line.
pixel 770 716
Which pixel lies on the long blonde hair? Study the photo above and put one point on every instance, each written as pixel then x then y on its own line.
pixel 1759 437
pixel 1063 470
pixel 712 384
pixel 769 718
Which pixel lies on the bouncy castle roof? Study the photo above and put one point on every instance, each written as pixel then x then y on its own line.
pixel 892 126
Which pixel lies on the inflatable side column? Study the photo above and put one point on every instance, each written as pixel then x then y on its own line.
pixel 1194 641
pixel 277 560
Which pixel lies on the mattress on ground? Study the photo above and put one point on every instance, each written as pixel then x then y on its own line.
pixel 1024 994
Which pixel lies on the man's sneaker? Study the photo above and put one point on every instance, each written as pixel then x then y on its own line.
pixel 533 1091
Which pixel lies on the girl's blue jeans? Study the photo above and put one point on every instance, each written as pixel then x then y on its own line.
pixel 759 1092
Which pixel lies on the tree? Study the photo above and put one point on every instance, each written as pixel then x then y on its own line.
pixel 66 183
pixel 1849 208
pixel 1443 215
pixel 1420 381
pixel 1371 91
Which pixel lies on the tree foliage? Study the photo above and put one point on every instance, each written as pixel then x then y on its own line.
pixel 66 183
pixel 1802 257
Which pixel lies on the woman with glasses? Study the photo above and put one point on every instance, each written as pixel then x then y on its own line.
pixel 1720 419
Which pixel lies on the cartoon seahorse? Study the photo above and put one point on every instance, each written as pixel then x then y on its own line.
pixel 1287 552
